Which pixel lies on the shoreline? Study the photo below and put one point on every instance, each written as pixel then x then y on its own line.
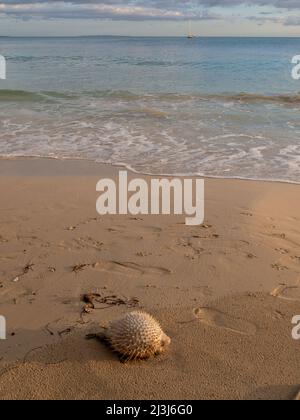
pixel 90 165
pixel 225 292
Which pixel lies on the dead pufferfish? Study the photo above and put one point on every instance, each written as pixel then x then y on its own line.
pixel 136 336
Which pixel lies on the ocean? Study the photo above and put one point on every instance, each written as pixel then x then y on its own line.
pixel 218 107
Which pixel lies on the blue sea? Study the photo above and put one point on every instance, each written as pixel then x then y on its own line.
pixel 220 107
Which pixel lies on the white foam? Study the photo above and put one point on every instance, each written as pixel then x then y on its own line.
pixel 195 139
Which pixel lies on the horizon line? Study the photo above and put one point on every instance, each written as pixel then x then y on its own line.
pixel 149 36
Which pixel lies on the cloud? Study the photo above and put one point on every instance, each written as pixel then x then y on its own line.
pixel 141 9
pixel 108 9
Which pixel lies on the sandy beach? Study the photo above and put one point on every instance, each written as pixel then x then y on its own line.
pixel 225 292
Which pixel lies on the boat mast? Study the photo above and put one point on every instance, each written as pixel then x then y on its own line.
pixel 190 34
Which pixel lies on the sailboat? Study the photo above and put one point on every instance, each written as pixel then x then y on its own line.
pixel 190 34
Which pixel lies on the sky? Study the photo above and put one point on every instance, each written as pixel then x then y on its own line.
pixel 149 17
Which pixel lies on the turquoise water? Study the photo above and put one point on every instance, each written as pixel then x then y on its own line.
pixel 225 107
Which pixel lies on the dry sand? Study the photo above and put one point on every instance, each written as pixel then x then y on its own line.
pixel 225 292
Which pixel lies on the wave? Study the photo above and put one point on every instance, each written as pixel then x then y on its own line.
pixel 7 95
pixel 257 98
pixel 50 96
pixel 18 96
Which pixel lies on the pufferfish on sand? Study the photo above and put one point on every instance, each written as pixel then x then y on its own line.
pixel 136 336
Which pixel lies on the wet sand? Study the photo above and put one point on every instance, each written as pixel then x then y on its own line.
pixel 225 292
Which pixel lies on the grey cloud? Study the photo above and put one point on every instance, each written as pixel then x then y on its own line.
pixel 168 4
pixel 106 9
pixel 136 9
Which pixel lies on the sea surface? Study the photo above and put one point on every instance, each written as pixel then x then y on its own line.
pixel 220 107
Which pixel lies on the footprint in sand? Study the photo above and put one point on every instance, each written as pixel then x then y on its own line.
pixel 247 213
pixel 290 293
pixel 282 251
pixel 129 268
pixel 218 319
pixel 279 267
